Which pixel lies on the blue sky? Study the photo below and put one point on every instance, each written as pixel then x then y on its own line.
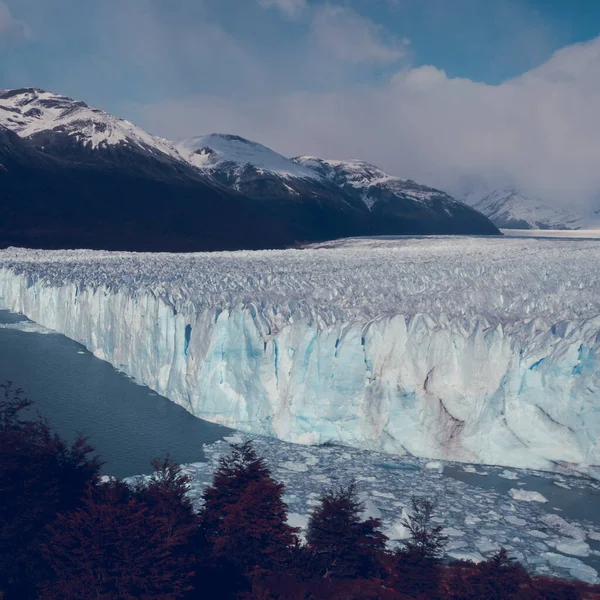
pixel 315 76
pixel 96 50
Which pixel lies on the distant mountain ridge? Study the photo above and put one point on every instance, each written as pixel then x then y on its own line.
pixel 76 176
pixel 509 208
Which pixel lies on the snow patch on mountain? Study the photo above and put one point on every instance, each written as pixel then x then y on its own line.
pixel 366 178
pixel 215 150
pixel 30 112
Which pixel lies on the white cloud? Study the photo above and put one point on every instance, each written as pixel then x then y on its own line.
pixel 353 38
pixel 540 131
pixel 11 27
pixel 290 8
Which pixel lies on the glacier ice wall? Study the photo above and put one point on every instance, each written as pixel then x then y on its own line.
pixel 471 349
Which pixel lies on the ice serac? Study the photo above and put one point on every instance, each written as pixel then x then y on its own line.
pixel 474 349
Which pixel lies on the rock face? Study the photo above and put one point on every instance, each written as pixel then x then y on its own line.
pixel 473 349
pixel 73 176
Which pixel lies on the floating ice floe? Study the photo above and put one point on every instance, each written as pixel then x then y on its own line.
pixel 573 547
pixel 577 569
pixel 27 327
pixel 525 496
pixel 508 474
pixel 515 520
pixel 562 485
pixel 435 465
pixel 564 527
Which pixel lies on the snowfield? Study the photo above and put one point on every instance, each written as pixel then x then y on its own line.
pixel 214 150
pixel 482 350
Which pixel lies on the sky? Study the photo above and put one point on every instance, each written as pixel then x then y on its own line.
pixel 452 93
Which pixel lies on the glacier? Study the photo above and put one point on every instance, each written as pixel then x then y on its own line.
pixel 480 350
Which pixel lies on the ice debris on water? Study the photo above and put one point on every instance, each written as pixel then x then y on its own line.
pixel 478 521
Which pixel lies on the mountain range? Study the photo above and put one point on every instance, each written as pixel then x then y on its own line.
pixel 510 208
pixel 73 176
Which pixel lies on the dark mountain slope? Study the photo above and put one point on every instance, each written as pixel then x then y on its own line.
pixel 72 176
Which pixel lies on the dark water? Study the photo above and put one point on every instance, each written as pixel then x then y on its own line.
pixel 128 424
pixel 581 502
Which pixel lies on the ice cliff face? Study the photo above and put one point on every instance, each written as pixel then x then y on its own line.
pixel 481 350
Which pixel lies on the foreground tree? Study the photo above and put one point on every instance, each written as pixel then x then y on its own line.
pixel 502 576
pixel 342 544
pixel 40 476
pixel 417 566
pixel 244 519
pixel 499 578
pixel 115 546
pixel 166 495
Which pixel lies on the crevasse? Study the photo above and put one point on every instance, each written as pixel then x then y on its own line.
pixel 471 350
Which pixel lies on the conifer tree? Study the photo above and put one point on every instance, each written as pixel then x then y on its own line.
pixel 427 540
pixel 244 518
pixel 500 577
pixel 343 544
pixel 114 546
pixel 40 476
pixel 166 495
pixel 418 564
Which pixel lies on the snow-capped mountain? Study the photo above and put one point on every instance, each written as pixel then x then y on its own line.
pixel 259 172
pixel 218 151
pixel 508 208
pixel 357 176
pixel 33 113
pixel 392 200
pixel 76 176
pixel 393 205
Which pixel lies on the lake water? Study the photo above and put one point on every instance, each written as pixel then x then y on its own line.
pixel 578 501
pixel 581 501
pixel 127 423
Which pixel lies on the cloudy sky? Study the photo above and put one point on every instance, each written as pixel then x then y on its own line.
pixel 441 91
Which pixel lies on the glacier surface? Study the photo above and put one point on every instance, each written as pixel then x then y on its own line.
pixel 480 350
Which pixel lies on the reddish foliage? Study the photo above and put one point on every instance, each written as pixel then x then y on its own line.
pixel 501 578
pixel 243 522
pixel 416 570
pixel 114 547
pixel 165 494
pixel 40 476
pixel 290 588
pixel 254 533
pixel 115 542
pixel 343 545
